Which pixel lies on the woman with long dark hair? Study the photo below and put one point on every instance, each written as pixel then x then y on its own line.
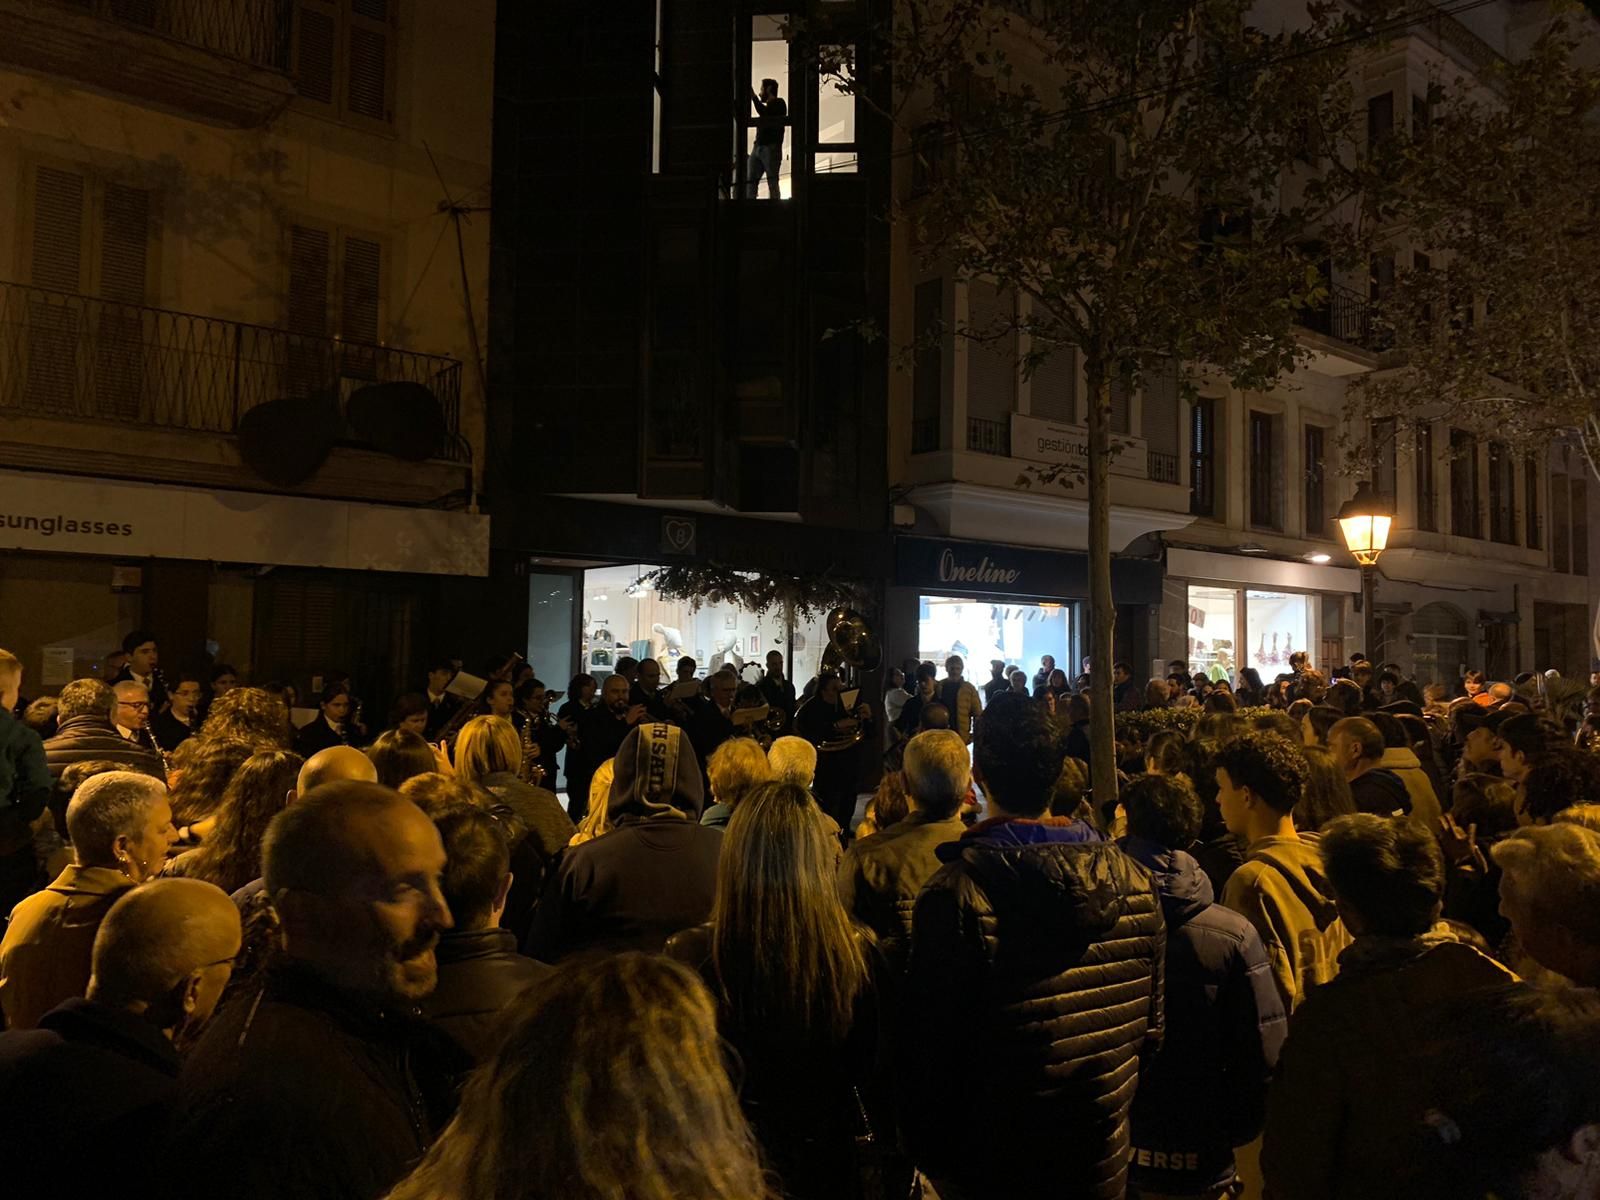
pixel 796 980
pixel 230 857
pixel 579 1105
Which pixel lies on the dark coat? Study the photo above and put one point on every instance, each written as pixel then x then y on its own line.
pixel 480 974
pixel 1035 983
pixel 439 714
pixel 89 736
pixel 1355 1078
pixel 708 729
pixel 881 875
pixel 629 889
pixel 80 1090
pixel 25 784
pixel 171 732
pixel 1224 1027
pixel 309 1093
pixel 600 735
pixel 805 1095
pixel 317 736
pixel 1380 791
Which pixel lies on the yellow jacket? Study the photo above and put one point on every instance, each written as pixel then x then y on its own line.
pixel 45 956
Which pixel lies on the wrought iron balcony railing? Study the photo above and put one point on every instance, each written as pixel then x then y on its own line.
pixel 80 358
pixel 248 31
pixel 1346 315
pixel 989 437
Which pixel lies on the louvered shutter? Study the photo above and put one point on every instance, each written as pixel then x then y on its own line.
pixel 124 274
pixel 56 262
pixel 309 363
pixel 359 292
pixel 1053 393
pixel 316 50
pixel 367 60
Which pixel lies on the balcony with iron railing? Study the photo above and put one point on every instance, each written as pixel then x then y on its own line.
pixel 225 60
pixel 1345 315
pixel 74 362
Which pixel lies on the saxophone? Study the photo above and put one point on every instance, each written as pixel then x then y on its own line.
pixel 529 771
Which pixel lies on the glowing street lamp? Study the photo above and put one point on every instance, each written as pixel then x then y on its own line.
pixel 1364 521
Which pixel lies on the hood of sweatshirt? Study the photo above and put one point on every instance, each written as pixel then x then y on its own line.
pixel 1072 886
pixel 1400 758
pixel 657 775
pixel 1178 878
pixel 1299 861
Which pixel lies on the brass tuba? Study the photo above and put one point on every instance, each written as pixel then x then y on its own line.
pixel 851 651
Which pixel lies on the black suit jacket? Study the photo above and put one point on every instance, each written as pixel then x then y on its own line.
pixel 439 714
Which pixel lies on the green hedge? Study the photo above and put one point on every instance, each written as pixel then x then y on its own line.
pixel 1135 727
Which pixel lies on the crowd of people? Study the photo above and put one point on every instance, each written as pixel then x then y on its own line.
pixel 1337 931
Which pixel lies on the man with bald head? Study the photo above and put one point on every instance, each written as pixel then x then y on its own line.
pixel 328 1084
pixel 100 1074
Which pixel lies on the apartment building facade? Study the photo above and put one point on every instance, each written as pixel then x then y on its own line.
pixel 1227 555
pixel 241 398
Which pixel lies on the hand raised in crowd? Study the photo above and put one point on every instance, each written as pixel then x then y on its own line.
pixel 1460 846
pixel 441 755
pixel 636 714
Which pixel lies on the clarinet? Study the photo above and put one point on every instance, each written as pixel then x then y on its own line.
pixel 149 732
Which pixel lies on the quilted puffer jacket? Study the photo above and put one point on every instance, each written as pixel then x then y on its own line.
pixel 1035 983
pixel 881 876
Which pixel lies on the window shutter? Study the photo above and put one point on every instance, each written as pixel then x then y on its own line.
pixel 56 262
pixel 359 290
pixel 309 359
pixel 125 244
pixel 367 60
pixel 57 230
pixel 119 333
pixel 316 46
pixel 308 280
pixel 1053 392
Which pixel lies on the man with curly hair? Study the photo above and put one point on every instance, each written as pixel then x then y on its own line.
pixel 1281 887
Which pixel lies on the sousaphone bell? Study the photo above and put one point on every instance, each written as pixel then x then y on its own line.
pixel 852 650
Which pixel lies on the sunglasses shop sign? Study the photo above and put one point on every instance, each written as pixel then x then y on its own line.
pixel 64 515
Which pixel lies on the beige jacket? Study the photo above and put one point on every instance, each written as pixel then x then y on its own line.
pixel 44 958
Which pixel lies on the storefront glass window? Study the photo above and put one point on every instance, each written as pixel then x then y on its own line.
pixel 550 600
pixel 620 619
pixel 1213 619
pixel 983 630
pixel 1276 625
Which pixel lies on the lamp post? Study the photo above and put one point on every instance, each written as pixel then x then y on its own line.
pixel 1364 521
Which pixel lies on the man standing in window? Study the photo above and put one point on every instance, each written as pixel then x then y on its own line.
pixel 772 114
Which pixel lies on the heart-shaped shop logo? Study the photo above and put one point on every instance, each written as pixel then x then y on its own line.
pixel 678 534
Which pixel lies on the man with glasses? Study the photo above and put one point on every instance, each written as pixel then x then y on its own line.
pixel 131 715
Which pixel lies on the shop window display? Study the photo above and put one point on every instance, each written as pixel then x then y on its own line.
pixel 983 630
pixel 1213 623
pixel 622 618
pixel 1276 625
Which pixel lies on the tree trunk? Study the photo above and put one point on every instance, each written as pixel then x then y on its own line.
pixel 1102 608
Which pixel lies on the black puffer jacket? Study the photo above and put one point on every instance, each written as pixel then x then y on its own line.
pixel 1036 961
pixel 89 736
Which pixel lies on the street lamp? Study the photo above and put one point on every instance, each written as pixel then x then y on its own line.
pixel 1364 520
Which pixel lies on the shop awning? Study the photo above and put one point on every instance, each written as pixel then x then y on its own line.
pixel 63 514
pixel 1211 567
